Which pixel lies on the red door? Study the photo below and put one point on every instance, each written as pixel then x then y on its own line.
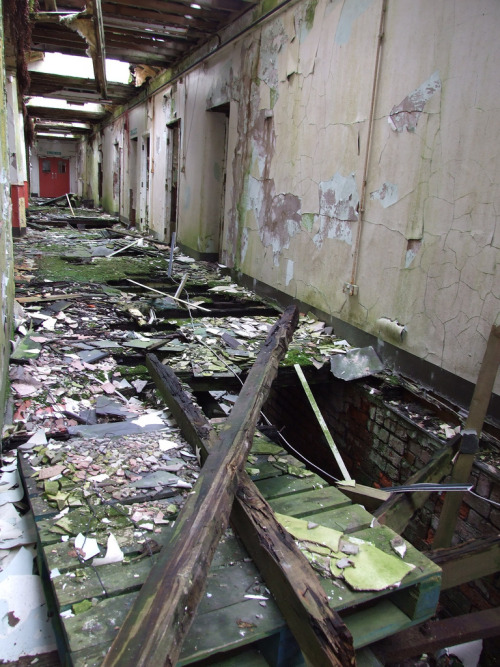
pixel 54 176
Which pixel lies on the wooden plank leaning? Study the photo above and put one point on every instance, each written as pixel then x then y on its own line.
pixel 397 511
pixel 155 627
pixel 319 631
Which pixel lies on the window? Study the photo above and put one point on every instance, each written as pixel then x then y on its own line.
pixel 46 166
pixel 61 167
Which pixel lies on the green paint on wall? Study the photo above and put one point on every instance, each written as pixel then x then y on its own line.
pixel 310 13
pixel 307 221
pixel 6 257
pixel 274 97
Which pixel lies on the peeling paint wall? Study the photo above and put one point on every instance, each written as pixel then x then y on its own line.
pixel 6 259
pixel 282 202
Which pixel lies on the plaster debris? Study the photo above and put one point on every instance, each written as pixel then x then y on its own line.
pixel 356 363
pixel 368 567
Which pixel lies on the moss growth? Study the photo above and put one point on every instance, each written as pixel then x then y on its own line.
pixel 133 372
pixel 310 12
pixel 295 356
pixel 274 95
pixel 99 270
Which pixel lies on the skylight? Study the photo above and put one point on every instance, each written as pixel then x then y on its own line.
pixel 78 66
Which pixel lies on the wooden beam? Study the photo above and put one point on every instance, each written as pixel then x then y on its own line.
pixel 477 413
pixel 322 423
pixel 319 631
pixel 434 635
pixel 467 562
pixel 155 627
pixel 367 496
pixel 98 50
pixel 399 509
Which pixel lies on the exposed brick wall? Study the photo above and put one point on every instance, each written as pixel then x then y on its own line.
pixel 381 446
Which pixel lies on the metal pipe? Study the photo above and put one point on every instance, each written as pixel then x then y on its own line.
pixel 355 259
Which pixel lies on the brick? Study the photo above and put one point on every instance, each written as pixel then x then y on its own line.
pixel 393 457
pixel 377 460
pixel 478 522
pixel 392 472
pixel 482 507
pixel 483 485
pixel 390 424
pixel 384 435
pixel 409 457
pixel 425 457
pixel 401 432
pixel 467 532
pixel 396 444
pixel 495 517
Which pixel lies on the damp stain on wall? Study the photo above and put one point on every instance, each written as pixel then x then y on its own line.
pixel 407 113
pixel 338 209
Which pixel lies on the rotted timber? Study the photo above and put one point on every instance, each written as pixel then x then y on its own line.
pixel 160 618
pixel 319 631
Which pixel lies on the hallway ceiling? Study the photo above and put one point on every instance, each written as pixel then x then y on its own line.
pixel 155 33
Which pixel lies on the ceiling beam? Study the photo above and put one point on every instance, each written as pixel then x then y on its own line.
pixel 98 50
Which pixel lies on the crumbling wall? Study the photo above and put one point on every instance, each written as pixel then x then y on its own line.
pixel 430 236
pixel 383 446
pixel 367 192
pixel 6 258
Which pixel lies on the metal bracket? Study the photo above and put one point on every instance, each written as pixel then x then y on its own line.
pixel 470 442
pixel 350 289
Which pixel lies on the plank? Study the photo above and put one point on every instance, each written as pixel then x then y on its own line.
pixel 438 634
pixel 367 496
pixel 220 630
pixel 348 519
pixel 372 623
pixel 51 297
pixel 322 423
pixel 285 485
pixel 155 627
pixel 418 593
pixel 467 562
pixel 318 631
pixel 477 413
pixel 309 502
pixel 398 510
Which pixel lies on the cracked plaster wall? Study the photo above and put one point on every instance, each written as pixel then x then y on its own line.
pixel 6 258
pixel 430 237
pixel 299 88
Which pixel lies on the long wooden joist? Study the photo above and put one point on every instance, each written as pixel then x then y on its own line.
pixel 434 635
pixel 162 614
pixel 319 631
pixel 468 561
pixel 397 511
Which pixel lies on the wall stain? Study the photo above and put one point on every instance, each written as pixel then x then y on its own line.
pixel 387 194
pixel 338 209
pixel 407 113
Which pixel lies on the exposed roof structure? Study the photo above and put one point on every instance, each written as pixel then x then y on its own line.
pixel 154 33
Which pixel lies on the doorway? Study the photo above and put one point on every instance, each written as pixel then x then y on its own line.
pixel 144 190
pixel 220 135
pixel 54 176
pixel 172 181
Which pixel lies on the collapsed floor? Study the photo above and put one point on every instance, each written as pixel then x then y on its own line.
pixel 83 397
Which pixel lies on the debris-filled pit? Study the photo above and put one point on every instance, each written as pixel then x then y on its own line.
pixel 105 465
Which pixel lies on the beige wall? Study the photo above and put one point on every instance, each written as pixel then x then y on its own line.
pixel 299 88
